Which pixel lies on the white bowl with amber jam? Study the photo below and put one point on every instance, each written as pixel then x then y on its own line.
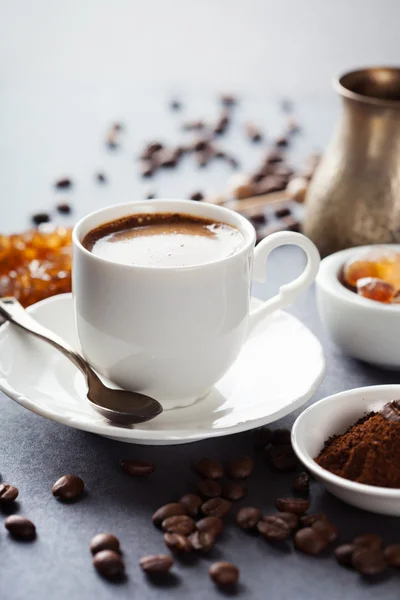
pixel 332 416
pixel 363 328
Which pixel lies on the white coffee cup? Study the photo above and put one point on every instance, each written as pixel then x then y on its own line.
pixel 172 332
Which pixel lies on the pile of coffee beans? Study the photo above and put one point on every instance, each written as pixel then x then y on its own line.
pixel 107 559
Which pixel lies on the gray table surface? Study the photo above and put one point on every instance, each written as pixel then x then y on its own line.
pixel 66 73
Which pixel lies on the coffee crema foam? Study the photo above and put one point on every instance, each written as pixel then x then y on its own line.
pixel 163 240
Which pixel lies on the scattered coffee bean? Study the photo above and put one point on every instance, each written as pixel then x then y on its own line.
pixel 177 543
pixel 326 529
pixel 222 123
pixel 282 170
pixel 197 196
pixel 369 561
pixel 104 541
pixel 309 520
pixel 209 488
pixel 241 467
pixel 293 505
pixel 173 509
pixel 192 503
pixel 391 411
pixel 20 527
pixel 154 564
pixel 8 493
pixel 175 104
pixel 168 158
pixel 40 218
pixel 282 141
pixel 273 528
pixel 232 161
pixel 274 156
pixel 253 132
pixel 146 168
pixel 301 483
pixel 297 189
pixel 63 183
pixel 310 541
pixel 291 223
pixel 64 208
pixel 281 437
pixel 291 519
pixel 213 525
pixel 224 573
pixel 369 540
pixel 181 524
pixel 151 149
pixel 101 178
pixel 112 138
pixel 201 144
pixel 193 125
pixel 258 219
pixel 344 554
pixel 137 468
pixel 282 458
pixel 150 195
pixel 233 491
pixel 262 437
pixel 248 517
pixel 68 487
pixel 216 507
pixel 202 541
pixel 209 468
pixel 279 213
pixel 203 158
pixel 392 555
pixel 228 100
pixel 109 564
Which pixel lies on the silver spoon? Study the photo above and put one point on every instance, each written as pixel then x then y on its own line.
pixel 118 406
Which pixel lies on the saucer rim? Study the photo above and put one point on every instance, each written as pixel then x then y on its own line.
pixel 133 435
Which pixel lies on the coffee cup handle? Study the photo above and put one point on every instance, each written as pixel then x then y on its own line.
pixel 288 292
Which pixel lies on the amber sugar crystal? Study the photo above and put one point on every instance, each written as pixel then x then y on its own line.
pixel 381 263
pixel 35 264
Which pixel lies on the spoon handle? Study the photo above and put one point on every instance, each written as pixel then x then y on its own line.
pixel 13 311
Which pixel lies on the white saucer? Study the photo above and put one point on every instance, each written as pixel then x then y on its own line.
pixel 278 370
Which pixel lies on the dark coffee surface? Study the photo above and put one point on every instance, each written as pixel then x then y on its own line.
pixel 163 240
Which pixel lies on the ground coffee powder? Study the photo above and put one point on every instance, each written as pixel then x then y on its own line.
pixel 369 451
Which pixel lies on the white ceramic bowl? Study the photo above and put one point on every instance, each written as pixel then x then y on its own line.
pixel 333 415
pixel 363 328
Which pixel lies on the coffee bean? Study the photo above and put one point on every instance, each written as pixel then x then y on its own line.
pixel 175 104
pixel 224 573
pixel 101 178
pixel 309 520
pixel 310 541
pixel 213 525
pixel 391 411
pixel 281 141
pixel 202 541
pixel 282 458
pixel 392 555
pixel 68 487
pixel 112 138
pixel 150 195
pixel 168 158
pixel 258 219
pixel 8 493
pixel 151 149
pixel 156 564
pixel 146 168
pixel 326 529
pixel 198 196
pixel 63 183
pixel 64 208
pixel 233 491
pixel 181 524
pixel 241 468
pixel 232 161
pixel 262 437
pixel 216 507
pixel 193 125
pixel 248 517
pixel 274 156
pixel 201 144
pixel 228 100
pixel 369 540
pixel 40 218
pixel 281 437
pixel 294 505
pixel 137 468
pixel 291 223
pixel 369 561
pixel 209 488
pixel 173 509
pixel 301 483
pixel 192 503
pixel 280 213
pixel 282 170
pixel 253 132
pixel 104 541
pixel 344 554
pixel 221 124
pixel 177 543
pixel 291 519
pixel 20 527
pixel 273 528
pixel 109 564
pixel 209 468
